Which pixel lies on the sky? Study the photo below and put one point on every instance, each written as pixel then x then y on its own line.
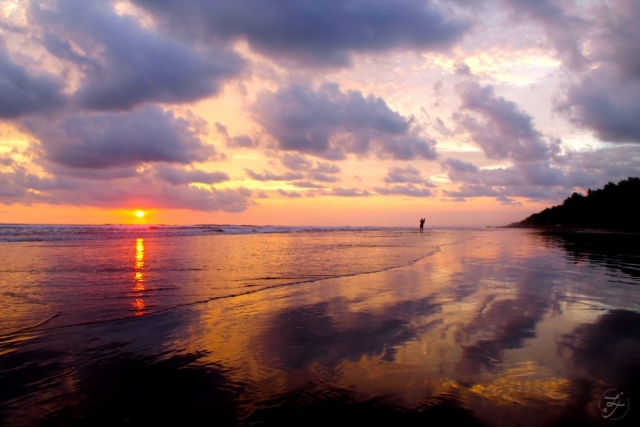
pixel 308 112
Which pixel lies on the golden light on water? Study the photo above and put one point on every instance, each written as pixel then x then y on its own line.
pixel 138 279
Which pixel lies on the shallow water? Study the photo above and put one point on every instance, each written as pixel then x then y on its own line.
pixel 485 327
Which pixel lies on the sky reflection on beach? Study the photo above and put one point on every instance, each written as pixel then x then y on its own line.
pixel 497 328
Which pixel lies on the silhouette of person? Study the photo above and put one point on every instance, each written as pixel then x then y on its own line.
pixel 422 220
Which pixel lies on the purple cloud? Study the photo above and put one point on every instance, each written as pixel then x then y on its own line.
pixel 459 165
pixel 20 186
pixel 404 190
pixel 400 175
pixel 124 64
pixel 22 93
pixel 176 176
pixel 499 126
pixel 350 192
pixel 330 123
pixel 563 29
pixel 606 97
pixel 270 176
pixel 308 32
pixel 290 194
pixel 111 140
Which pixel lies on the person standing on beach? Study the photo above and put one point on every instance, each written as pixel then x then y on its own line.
pixel 422 220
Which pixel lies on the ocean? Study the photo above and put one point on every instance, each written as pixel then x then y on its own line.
pixel 262 325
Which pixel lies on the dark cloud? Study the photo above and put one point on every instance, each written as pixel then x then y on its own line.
pixel 11 190
pixel 270 176
pixel 400 175
pixel 405 190
pixel 22 187
pixel 605 103
pixel 606 98
pixel 407 148
pixel 175 176
pixel 295 161
pixel 88 173
pixel 547 180
pixel 459 165
pixel 404 180
pixel 349 192
pixel 124 64
pixel 307 184
pixel 323 177
pixel 470 190
pixel 324 167
pixel 562 28
pixel 312 33
pixel 110 140
pixel 318 171
pixel 462 69
pixel 499 126
pixel 242 141
pixel 290 194
pixel 330 123
pixel 324 172
pixel 22 93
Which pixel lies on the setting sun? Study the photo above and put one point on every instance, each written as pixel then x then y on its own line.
pixel 140 214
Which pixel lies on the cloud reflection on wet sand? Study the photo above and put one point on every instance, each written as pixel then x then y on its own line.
pixel 501 329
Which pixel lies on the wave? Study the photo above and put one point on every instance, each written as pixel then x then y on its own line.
pixel 41 326
pixel 59 233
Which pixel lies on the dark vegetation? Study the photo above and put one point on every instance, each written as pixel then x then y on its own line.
pixel 614 207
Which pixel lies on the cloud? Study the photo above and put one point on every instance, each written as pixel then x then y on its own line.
pixel 175 176
pixel 240 141
pixel 402 175
pixel 311 170
pixel 459 165
pixel 324 172
pixel 606 98
pixel 311 33
pixel 290 194
pixel 330 123
pixel 605 104
pixel 547 180
pixel 307 184
pixel 467 190
pixel 22 93
pixel 499 126
pixel 349 192
pixel 124 64
pixel 270 176
pixel 19 186
pixel 319 171
pixel 563 29
pixel 111 140
pixel 404 190
pixel 295 161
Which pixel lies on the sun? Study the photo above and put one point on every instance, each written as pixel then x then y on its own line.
pixel 140 214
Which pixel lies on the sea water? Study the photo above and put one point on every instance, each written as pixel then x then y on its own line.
pixel 244 325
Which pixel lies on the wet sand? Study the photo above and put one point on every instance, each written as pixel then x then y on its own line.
pixel 497 327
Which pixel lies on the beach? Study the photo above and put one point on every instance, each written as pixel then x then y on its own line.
pixel 265 326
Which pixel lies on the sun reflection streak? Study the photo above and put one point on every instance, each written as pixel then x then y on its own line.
pixel 138 279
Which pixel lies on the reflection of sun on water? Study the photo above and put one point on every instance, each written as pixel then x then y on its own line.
pixel 138 278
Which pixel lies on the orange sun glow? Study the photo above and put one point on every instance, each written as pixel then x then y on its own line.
pixel 140 214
